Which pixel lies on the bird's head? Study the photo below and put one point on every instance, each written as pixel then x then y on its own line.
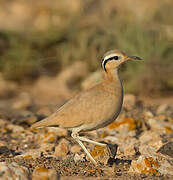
pixel 113 59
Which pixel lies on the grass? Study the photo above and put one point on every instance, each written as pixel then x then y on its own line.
pixel 85 36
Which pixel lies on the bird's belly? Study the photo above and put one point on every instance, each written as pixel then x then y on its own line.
pixel 108 115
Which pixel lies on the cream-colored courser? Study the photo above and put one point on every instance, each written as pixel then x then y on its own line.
pixel 94 108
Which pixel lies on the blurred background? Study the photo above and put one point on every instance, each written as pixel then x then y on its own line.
pixel 43 43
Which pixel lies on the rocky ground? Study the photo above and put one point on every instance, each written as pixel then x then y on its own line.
pixel 139 142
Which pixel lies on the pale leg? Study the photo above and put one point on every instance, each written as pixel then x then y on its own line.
pixel 90 141
pixel 76 137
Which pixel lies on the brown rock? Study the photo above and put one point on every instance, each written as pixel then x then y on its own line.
pixel 41 173
pixel 75 149
pixel 60 132
pixel 62 149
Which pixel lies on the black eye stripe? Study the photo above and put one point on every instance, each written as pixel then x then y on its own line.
pixel 112 58
pixel 109 59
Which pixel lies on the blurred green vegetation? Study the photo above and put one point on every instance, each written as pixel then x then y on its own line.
pixel 86 36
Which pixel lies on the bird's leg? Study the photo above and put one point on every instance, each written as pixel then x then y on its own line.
pixel 90 141
pixel 76 137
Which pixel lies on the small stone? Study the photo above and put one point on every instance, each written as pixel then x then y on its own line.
pixel 144 164
pixel 4 150
pixel 162 108
pixel 166 168
pixel 60 132
pixel 46 147
pixel 150 138
pixel 12 170
pixel 78 157
pixel 50 137
pixel 109 172
pixel 148 114
pixel 147 150
pixel 167 149
pixel 111 139
pixel 75 149
pixel 30 154
pixel 15 128
pixel 129 150
pixel 41 173
pixel 62 148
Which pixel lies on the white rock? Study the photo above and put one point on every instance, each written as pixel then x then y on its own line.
pixel 162 108
pixel 78 157
pixel 12 170
pixel 152 165
pixel 151 139
pixel 148 114
pixel 112 139
pixel 145 164
pixel 166 168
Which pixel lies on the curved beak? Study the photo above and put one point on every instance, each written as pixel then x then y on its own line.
pixel 133 58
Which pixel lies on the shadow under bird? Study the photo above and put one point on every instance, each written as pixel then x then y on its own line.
pixel 94 108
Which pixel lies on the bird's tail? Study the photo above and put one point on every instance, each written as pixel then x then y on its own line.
pixel 47 122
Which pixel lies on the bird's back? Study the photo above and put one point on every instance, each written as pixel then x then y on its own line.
pixel 94 108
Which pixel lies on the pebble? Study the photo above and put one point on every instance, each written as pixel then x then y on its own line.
pixel 151 138
pixel 151 165
pixel 30 154
pixel 146 165
pixel 162 108
pixel 78 157
pixel 167 149
pixel 41 173
pixel 128 149
pixel 75 149
pixel 60 132
pixel 9 171
pixel 62 148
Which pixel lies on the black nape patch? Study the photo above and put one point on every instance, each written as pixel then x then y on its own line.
pixel 109 59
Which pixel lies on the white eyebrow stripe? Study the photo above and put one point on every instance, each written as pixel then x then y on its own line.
pixel 107 57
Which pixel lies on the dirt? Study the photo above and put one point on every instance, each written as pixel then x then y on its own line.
pixel 33 149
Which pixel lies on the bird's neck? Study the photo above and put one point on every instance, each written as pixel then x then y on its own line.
pixel 112 75
pixel 113 81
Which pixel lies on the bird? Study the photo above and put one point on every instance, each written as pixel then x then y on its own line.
pixel 95 107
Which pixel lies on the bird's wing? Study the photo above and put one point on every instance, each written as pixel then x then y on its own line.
pixel 84 108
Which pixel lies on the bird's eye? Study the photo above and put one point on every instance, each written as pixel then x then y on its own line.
pixel 112 58
pixel 116 57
